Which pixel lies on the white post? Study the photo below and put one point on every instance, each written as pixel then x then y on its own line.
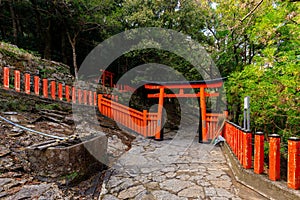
pixel 247 113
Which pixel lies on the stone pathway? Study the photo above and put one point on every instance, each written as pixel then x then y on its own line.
pixel 171 169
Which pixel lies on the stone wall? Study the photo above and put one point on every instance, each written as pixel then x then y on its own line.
pixel 68 163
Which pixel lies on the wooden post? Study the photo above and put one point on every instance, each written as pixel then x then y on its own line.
pixel 17 81
pixel 67 93
pixel 274 157
pixel 158 135
pixel 6 77
pixel 294 163
pixel 84 97
pixel 90 98
pixel 79 95
pixel 235 140
pixel 99 103
pixel 111 80
pixel 53 90
pixel 37 85
pixel 27 83
pixel 240 140
pixel 203 114
pixel 95 98
pixel 73 94
pixel 45 88
pixel 247 151
pixel 60 91
pixel 144 126
pixel 259 153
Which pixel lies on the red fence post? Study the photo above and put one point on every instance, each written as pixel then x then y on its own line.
pixel 95 98
pixel 6 77
pixel 84 97
pixel 259 153
pixel 247 151
pixel 60 91
pixel 274 157
pixel 79 95
pixel 294 163
pixel 36 85
pixel 90 101
pixel 235 140
pixel 53 90
pixel 45 88
pixel 240 144
pixel 99 102
pixel 17 81
pixel 27 83
pixel 73 94
pixel 67 93
pixel 144 126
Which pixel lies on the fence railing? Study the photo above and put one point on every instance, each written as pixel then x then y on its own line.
pixel 124 88
pixel 47 88
pixel 213 126
pixel 240 142
pixel 144 123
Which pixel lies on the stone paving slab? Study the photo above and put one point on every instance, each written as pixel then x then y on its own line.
pixel 182 170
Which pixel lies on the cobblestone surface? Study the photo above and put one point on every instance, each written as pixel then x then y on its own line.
pixel 171 169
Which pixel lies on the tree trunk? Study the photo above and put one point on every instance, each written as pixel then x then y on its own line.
pixel 47 50
pixel 14 23
pixel 73 45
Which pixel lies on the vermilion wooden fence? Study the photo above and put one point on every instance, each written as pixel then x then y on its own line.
pixel 240 142
pixel 213 124
pixel 144 123
pixel 124 88
pixel 57 90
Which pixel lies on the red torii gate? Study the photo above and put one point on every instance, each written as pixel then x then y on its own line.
pixel 202 85
pixel 105 75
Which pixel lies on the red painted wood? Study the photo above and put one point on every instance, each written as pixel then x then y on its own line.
pixel 6 77
pixel 53 90
pixel 17 81
pixel 294 163
pixel 36 85
pixel 27 83
pixel 67 93
pixel 45 88
pixel 259 153
pixel 274 158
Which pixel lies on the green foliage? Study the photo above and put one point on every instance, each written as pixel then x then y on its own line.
pixel 8 53
pixel 13 105
pixel 273 80
pixel 52 106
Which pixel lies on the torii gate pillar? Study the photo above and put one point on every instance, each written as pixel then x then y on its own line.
pixel 203 114
pixel 159 134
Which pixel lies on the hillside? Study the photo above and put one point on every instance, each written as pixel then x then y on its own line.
pixel 15 58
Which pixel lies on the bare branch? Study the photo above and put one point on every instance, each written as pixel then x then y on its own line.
pixel 252 11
